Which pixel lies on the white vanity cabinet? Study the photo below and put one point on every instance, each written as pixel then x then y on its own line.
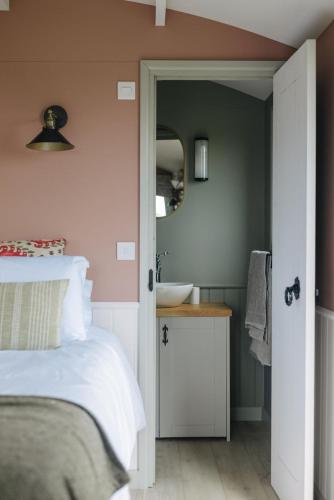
pixel 193 369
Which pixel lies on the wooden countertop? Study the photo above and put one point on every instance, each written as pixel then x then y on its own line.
pixel 198 310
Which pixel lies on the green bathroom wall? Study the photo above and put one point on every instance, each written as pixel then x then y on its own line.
pixel 210 237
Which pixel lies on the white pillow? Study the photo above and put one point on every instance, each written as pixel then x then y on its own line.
pixel 87 293
pixel 26 269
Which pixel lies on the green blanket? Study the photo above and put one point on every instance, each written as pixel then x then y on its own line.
pixel 54 450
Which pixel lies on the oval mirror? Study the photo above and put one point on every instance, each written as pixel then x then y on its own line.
pixel 169 172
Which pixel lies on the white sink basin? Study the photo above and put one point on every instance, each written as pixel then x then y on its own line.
pixel 172 294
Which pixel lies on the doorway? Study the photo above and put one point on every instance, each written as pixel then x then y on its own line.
pixel 151 71
pixel 208 229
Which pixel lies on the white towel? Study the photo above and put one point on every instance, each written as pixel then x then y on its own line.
pixel 258 311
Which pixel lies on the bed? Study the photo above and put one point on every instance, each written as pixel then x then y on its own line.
pixel 69 416
pixel 94 376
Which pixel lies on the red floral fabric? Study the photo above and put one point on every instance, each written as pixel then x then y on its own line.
pixel 32 248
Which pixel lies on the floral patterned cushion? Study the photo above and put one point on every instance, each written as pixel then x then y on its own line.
pixel 32 248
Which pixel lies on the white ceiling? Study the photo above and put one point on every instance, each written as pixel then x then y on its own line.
pixel 256 88
pixel 287 21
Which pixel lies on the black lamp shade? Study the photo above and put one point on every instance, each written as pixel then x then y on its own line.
pixel 50 140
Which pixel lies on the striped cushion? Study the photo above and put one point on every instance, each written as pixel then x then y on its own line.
pixel 30 314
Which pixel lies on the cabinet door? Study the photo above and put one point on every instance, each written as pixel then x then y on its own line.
pixel 193 381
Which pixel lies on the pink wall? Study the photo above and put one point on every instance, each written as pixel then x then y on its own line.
pixel 72 53
pixel 325 168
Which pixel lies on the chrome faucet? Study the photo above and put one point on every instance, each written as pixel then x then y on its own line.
pixel 158 267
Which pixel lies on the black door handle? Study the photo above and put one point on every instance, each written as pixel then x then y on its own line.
pixel 150 280
pixel 292 291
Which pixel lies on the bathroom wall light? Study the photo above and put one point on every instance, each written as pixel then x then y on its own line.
pixel 201 159
pixel 50 139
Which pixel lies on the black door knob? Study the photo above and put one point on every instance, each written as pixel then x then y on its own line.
pixel 292 292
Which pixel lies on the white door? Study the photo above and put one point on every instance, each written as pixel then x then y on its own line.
pixel 294 257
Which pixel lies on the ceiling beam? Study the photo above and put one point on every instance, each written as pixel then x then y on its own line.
pixel 160 12
pixel 4 4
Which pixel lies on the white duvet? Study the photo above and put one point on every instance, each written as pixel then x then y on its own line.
pixel 94 374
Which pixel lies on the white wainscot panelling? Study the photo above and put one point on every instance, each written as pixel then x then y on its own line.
pixel 121 318
pixel 324 405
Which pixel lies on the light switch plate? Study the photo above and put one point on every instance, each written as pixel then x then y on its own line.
pixel 126 250
pixel 126 91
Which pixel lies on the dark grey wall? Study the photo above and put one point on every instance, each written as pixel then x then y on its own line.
pixel 210 237
pixel 222 220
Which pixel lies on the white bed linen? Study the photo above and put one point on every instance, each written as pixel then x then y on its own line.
pixel 92 373
pixel 73 268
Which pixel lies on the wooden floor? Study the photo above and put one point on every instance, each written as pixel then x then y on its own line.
pixel 212 469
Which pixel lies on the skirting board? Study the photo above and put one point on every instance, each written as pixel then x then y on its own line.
pixel 244 414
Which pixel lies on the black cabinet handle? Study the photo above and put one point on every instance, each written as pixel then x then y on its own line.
pixel 165 338
pixel 150 280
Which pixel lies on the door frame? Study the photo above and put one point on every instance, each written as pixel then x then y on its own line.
pixel 150 72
